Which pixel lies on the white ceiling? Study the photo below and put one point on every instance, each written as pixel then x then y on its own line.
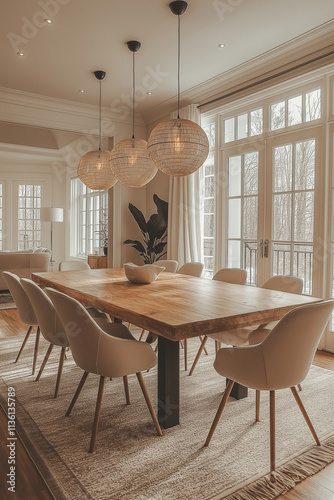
pixel 87 35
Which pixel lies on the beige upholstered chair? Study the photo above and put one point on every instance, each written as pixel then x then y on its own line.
pixel 73 265
pixel 282 360
pixel 170 265
pixel 231 275
pixel 192 269
pixel 115 353
pixel 240 336
pixel 25 310
pixel 228 275
pixel 50 324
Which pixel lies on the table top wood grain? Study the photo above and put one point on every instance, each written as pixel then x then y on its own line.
pixel 175 306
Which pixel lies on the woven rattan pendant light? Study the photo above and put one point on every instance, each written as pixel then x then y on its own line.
pixel 178 147
pixel 129 160
pixel 94 169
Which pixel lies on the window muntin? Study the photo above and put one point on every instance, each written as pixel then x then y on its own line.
pixel 29 225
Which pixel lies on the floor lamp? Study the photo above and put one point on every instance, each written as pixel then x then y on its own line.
pixel 50 214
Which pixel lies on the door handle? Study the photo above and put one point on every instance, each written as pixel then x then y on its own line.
pixel 266 248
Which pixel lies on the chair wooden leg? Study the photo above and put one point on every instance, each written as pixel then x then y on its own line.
pixel 60 370
pixel 46 357
pixel 149 402
pixel 97 415
pixel 198 355
pixel 257 406
pixel 142 334
pixel 219 411
pixel 38 333
pixel 299 387
pixel 24 343
pixel 185 345
pixel 126 389
pixel 201 339
pixel 77 392
pixel 305 415
pixel 272 431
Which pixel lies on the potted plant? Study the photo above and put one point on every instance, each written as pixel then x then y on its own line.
pixel 154 232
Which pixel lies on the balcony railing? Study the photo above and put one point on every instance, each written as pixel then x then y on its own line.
pixel 301 264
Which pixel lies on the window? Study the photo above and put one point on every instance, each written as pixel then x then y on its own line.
pixel 296 110
pixel 260 190
pixel 208 170
pixel 29 225
pixel 244 125
pixel 89 222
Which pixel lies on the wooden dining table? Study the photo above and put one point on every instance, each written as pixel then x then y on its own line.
pixel 175 307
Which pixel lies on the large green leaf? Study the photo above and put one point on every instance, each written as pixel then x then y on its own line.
pixel 139 218
pixel 135 244
pixel 159 247
pixel 162 207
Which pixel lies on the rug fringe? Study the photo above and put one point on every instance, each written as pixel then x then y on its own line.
pixel 287 475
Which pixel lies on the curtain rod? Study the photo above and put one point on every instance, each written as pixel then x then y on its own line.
pixel 264 80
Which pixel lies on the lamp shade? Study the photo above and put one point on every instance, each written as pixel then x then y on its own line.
pixel 94 170
pixel 178 147
pixel 51 214
pixel 130 163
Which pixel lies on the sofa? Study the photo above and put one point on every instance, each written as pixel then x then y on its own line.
pixel 24 263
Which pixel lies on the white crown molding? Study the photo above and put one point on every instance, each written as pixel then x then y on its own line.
pixel 313 42
pixel 13 153
pixel 32 109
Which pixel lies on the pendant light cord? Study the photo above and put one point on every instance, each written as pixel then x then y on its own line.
pixel 133 94
pixel 100 121
pixel 178 66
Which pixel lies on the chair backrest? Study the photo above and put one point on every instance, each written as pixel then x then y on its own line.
pixel 95 351
pixel 289 284
pixel 231 275
pixel 289 349
pixel 21 299
pixel 73 265
pixel 49 322
pixel 170 265
pixel 192 268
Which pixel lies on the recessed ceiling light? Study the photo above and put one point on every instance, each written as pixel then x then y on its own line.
pixel 81 91
pixel 20 54
pixel 48 21
pixel 221 45
pixel 148 93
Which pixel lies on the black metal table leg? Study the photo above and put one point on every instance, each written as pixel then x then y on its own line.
pixel 168 382
pixel 238 391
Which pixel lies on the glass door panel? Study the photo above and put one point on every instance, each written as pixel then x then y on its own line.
pixel 242 227
pixel 293 210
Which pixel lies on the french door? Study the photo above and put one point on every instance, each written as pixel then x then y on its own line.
pixel 272 198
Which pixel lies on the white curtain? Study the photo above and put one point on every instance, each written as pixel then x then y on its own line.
pixel 185 226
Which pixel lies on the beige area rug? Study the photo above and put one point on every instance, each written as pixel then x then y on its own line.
pixel 132 463
pixel 6 301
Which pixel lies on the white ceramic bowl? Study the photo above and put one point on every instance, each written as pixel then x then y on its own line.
pixel 142 274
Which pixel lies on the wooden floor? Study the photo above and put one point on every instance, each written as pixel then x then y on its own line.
pixel 30 485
